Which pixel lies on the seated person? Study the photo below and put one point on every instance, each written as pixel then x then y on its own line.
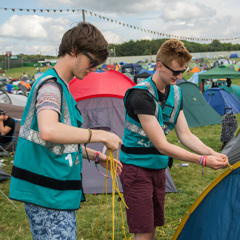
pixel 7 126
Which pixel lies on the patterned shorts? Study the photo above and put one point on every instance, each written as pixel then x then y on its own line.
pixel 51 224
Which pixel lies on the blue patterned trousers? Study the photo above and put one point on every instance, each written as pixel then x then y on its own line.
pixel 48 224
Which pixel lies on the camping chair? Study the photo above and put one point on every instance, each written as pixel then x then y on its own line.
pixel 12 144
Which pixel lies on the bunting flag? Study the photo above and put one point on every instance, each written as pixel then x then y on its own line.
pixel 122 24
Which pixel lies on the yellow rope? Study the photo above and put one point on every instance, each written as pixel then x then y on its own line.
pixel 115 187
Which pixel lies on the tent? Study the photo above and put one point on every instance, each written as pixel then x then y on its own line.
pixel 234 55
pixel 99 97
pixel 196 109
pixel 235 89
pixel 3 174
pixel 232 149
pixel 133 68
pixel 216 73
pixel 222 101
pixel 194 77
pixel 195 70
pixel 222 62
pixel 216 212
pixel 141 77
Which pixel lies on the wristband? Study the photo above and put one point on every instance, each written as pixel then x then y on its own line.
pixel 89 136
pixel 204 163
pixel 203 160
pixel 96 157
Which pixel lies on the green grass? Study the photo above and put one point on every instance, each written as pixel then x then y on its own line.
pixel 188 180
pixel 17 72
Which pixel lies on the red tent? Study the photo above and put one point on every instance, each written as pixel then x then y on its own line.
pixel 107 84
pixel 99 97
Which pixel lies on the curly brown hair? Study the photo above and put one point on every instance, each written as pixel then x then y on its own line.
pixel 84 37
pixel 173 49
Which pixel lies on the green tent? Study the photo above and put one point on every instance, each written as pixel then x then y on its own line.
pixel 216 73
pixel 195 107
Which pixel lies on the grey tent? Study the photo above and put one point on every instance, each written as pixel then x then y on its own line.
pixel 3 175
pixel 232 149
pixel 101 106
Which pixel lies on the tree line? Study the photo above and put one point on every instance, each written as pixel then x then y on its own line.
pixel 144 47
pixel 150 47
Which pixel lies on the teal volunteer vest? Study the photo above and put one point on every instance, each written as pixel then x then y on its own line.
pixel 137 149
pixel 44 173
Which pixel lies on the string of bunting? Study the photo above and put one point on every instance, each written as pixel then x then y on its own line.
pixel 121 23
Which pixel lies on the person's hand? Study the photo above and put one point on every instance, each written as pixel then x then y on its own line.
pixel 112 141
pixel 217 162
pixel 216 154
pixel 103 163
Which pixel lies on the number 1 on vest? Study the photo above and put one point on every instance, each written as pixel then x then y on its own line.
pixel 69 158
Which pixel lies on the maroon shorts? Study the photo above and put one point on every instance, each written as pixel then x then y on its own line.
pixel 144 194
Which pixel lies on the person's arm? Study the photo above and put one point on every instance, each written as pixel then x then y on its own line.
pixel 191 141
pixel 4 129
pixel 56 132
pixel 156 135
pixel 102 158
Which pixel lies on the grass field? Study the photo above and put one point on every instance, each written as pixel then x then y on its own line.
pixel 189 182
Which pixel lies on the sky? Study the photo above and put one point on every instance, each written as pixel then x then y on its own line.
pixel 40 32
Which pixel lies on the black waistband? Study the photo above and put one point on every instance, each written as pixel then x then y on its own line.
pixel 140 150
pixel 46 181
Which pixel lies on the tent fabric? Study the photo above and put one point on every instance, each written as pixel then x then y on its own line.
pixel 216 212
pixel 102 107
pixel 107 84
pixel 235 89
pixel 231 149
pixel 133 68
pixel 234 55
pixel 222 101
pixel 195 107
pixel 141 77
pixel 218 72
pixel 3 174
pixel 195 70
pixel 194 77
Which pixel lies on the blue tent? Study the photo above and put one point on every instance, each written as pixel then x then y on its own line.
pixel 222 101
pixel 132 68
pixel 234 55
pixel 194 78
pixel 216 212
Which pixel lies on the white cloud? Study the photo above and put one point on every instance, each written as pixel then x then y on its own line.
pixel 186 10
pixel 124 7
pixel 146 37
pixel 30 32
pixel 112 37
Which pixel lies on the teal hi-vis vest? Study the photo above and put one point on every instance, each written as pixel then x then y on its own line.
pixel 44 173
pixel 137 149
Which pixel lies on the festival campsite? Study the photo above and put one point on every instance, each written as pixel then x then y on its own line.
pixel 101 105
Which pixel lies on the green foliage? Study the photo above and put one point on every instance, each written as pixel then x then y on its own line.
pixel 150 47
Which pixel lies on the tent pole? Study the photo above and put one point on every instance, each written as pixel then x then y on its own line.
pixel 8 199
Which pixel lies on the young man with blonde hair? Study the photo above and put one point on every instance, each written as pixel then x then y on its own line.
pixel 153 109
